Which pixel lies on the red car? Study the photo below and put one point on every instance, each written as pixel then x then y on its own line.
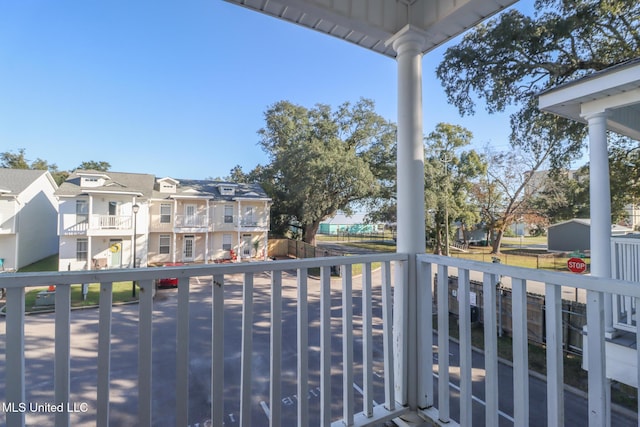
pixel 169 282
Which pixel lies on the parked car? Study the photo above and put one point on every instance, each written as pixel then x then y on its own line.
pixel 169 282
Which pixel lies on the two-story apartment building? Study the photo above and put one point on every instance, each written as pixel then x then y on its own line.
pixel 207 221
pixel 28 211
pixel 102 215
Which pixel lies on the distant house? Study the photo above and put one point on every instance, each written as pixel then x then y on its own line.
pixel 104 214
pixel 98 212
pixel 204 221
pixel 28 212
pixel 574 235
pixel 349 224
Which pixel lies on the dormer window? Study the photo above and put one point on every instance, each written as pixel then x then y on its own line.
pixel 167 185
pixel 227 190
pixel 92 180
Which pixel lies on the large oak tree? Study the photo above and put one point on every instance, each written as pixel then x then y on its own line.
pixel 323 160
pixel 509 60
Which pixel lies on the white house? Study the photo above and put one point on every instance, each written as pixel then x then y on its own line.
pixel 207 221
pixel 186 221
pixel 101 214
pixel 28 212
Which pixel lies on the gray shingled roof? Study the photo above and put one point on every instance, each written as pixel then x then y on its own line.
pixel 210 189
pixel 118 182
pixel 15 181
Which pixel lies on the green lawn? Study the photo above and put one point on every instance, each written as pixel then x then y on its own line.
pixel 121 293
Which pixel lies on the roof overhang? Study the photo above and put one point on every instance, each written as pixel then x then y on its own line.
pixel 615 90
pixel 372 23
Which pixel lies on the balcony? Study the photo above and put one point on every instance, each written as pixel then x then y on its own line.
pixel 253 224
pixel 192 223
pixel 8 225
pixel 97 224
pixel 257 333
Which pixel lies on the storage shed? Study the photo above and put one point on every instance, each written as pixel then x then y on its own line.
pixel 574 235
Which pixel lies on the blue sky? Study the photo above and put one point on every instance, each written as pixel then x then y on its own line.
pixel 179 88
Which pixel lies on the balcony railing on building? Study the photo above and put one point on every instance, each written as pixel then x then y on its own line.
pixel 352 339
pixel 191 221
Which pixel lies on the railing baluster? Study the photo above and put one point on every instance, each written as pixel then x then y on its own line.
pixel 62 350
pixel 145 352
pixel 555 374
pixel 443 343
pixel 182 354
pixel 303 349
pixel 104 354
pixel 347 345
pixel 217 351
pixel 520 352
pixel 425 331
pixel 387 336
pixel 637 301
pixel 367 341
pixel 490 349
pixel 15 355
pixel 596 359
pixel 247 350
pixel 325 346
pixel 464 303
pixel 275 391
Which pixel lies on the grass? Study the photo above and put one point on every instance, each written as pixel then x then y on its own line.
pixel 511 255
pixel 45 264
pixel 121 293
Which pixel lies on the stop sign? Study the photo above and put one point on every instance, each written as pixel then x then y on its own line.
pixel 577 265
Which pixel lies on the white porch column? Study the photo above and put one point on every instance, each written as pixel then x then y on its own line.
pixel 600 206
pixel 408 44
pixel 600 240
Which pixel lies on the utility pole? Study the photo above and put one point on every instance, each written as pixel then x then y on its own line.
pixel 445 161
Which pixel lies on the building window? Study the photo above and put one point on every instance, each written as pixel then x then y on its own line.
pixel 82 246
pixel 226 242
pixel 82 211
pixel 228 214
pixel 165 213
pixel 165 244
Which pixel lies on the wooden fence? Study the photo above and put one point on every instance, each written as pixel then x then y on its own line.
pixel 289 248
pixel 573 314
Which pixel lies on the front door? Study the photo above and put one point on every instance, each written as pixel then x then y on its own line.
pixel 188 248
pixel 115 250
pixel 246 245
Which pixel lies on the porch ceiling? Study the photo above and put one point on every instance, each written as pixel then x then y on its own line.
pixel 615 90
pixel 372 23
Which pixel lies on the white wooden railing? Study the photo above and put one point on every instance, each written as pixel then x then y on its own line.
pixel 190 221
pixel 403 363
pixel 489 273
pixel 625 264
pixel 117 222
pixel 366 413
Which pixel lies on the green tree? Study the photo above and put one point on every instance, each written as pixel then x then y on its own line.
pixel 563 196
pixel 449 175
pixel 95 165
pixel 504 195
pixel 18 160
pixel 511 59
pixel 322 161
